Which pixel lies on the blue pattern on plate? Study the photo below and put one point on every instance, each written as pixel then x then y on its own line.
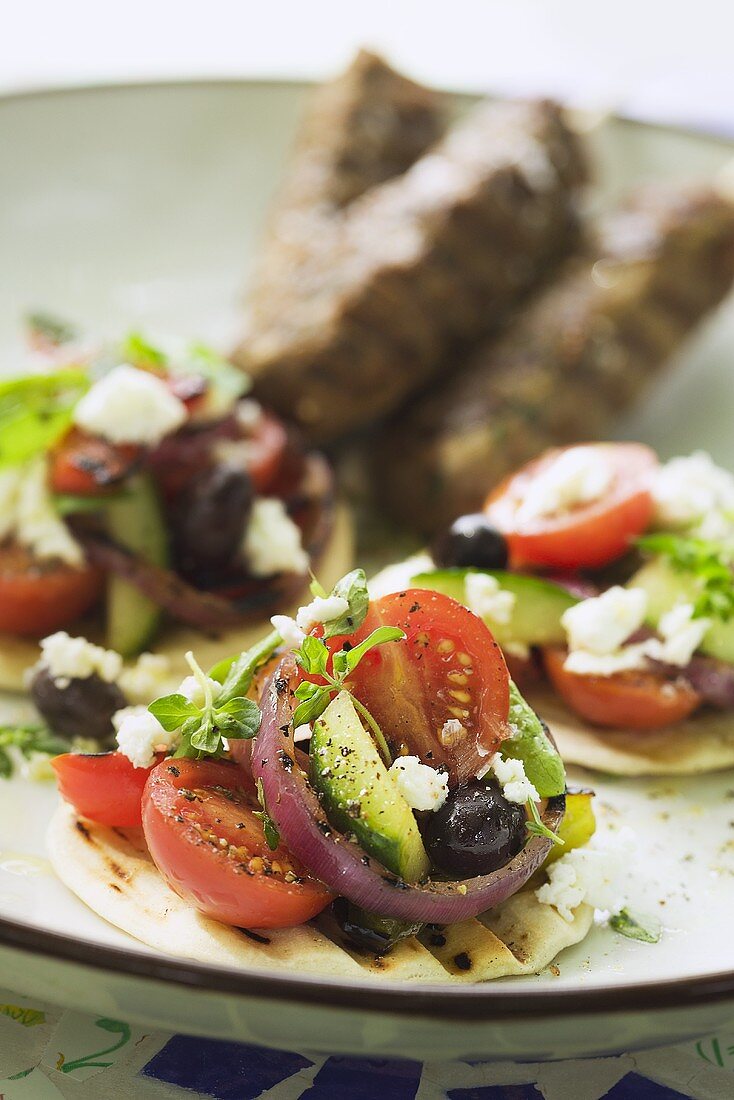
pixel 495 1092
pixel 225 1071
pixel 365 1079
pixel 634 1087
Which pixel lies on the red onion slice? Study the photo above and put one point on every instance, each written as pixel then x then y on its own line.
pixel 341 864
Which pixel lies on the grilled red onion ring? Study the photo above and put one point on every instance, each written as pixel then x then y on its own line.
pixel 341 864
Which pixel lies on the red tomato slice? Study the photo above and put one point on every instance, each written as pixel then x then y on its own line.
pixel 37 598
pixel 200 825
pixel 629 700
pixel 448 668
pixel 104 787
pixel 87 465
pixel 589 535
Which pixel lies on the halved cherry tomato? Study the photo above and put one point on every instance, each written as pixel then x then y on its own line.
pixel 105 787
pixel 585 536
pixel 37 597
pixel 448 669
pixel 628 700
pixel 87 465
pixel 202 832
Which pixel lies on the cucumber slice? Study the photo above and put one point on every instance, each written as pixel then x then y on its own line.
pixel 539 604
pixel 359 796
pixel 666 586
pixel 134 520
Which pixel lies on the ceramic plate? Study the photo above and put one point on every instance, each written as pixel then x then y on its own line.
pixel 141 206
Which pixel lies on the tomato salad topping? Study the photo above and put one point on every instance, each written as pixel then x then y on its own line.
pixel 370 750
pixel 138 484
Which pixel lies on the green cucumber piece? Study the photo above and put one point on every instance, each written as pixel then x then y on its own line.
pixel 135 522
pixel 539 604
pixel 358 794
pixel 667 586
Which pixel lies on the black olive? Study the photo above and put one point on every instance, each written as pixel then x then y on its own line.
pixel 211 520
pixel 470 542
pixel 83 708
pixel 476 830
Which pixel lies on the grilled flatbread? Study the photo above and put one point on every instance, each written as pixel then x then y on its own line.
pixel 17 655
pixel 111 871
pixel 703 743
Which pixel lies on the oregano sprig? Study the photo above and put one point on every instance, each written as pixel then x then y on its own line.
pixel 708 562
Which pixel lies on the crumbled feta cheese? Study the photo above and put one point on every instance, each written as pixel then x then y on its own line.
pixel 601 624
pixel 302 733
pixel 322 609
pixel 682 635
pixel 142 682
pixel 37 524
pixel 626 659
pixel 422 787
pixel 688 489
pixel 289 631
pixel 68 658
pixel 140 735
pixel 272 542
pixel 510 774
pixel 193 690
pixel 486 599
pixel 579 475
pixel 248 413
pixel 594 874
pixel 130 406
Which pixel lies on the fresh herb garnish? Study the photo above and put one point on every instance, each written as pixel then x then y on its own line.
pixel 137 351
pixel 52 329
pixel 35 411
pixel 203 727
pixel 630 926
pixel 709 564
pixel 270 829
pixel 28 740
pixel 236 674
pixel 227 379
pixel 313 657
pixel 536 827
pixel 353 589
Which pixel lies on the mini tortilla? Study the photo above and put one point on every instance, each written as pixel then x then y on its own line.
pixel 111 871
pixel 703 743
pixel 17 655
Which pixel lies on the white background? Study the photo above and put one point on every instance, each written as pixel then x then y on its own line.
pixel 665 59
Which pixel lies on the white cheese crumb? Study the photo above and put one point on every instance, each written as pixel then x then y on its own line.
pixel 193 690
pixel 68 658
pixel 688 489
pixel 579 475
pixel 594 874
pixel 302 733
pixel 601 624
pixel 142 682
pixel 289 631
pixel 272 542
pixel 140 734
pixel 422 787
pixel 130 406
pixel 485 598
pixel 510 774
pixel 37 524
pixel 682 635
pixel 322 609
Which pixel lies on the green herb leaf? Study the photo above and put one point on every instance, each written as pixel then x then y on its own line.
pixel 530 744
pixel 35 411
pixel 206 738
pixel 238 719
pixel 230 382
pixel 314 703
pixel 270 829
pixel 173 710
pixel 536 827
pixel 346 660
pixel 139 352
pixel 630 926
pixel 353 589
pixel 313 656
pixel 708 562
pixel 51 329
pixel 27 740
pixel 236 674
